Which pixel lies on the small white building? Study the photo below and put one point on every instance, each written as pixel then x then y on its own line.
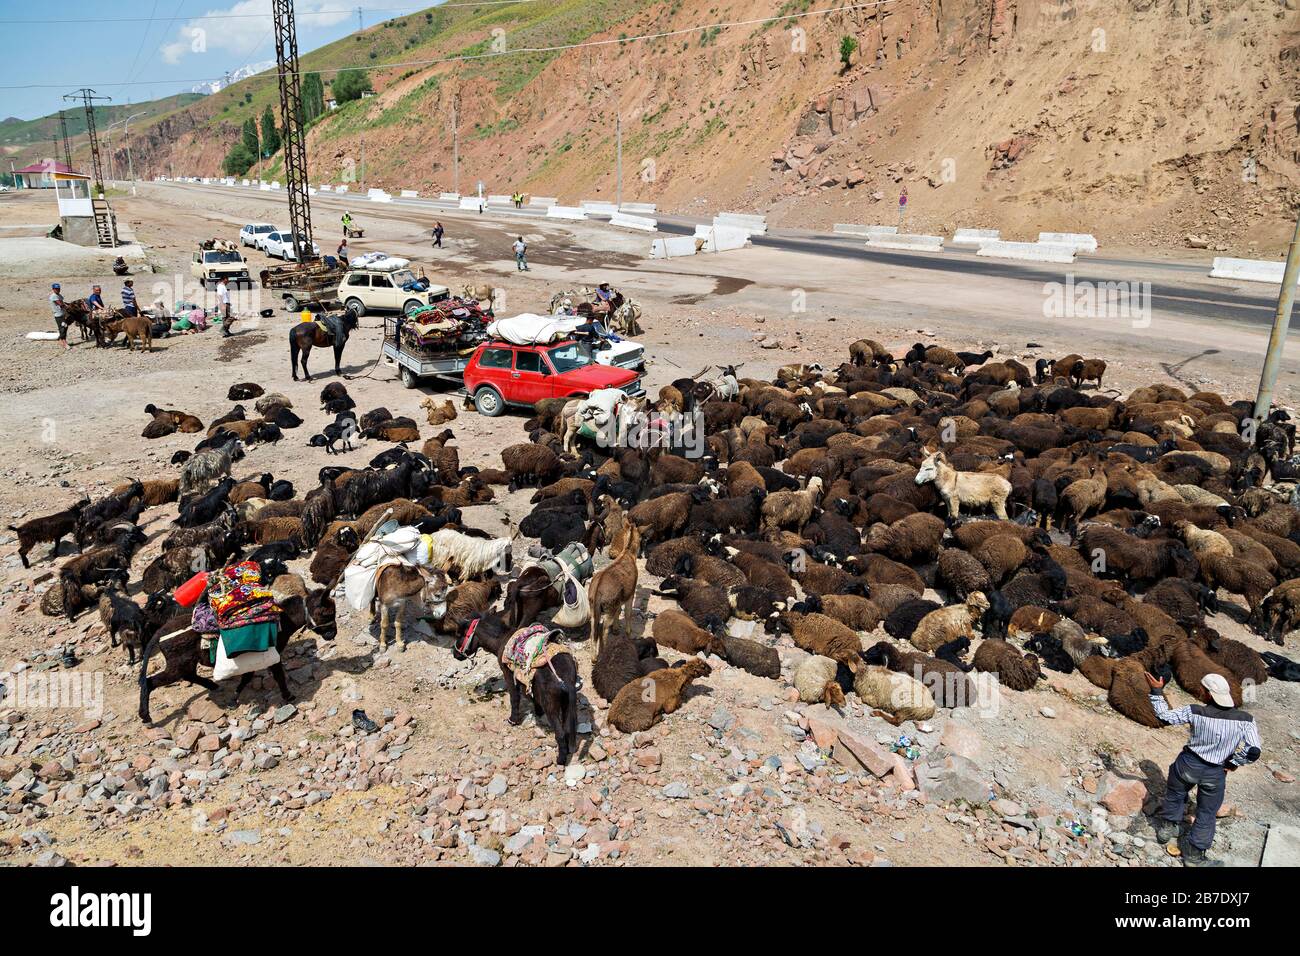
pixel 77 213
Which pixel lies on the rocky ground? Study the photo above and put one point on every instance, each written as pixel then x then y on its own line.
pixel 741 774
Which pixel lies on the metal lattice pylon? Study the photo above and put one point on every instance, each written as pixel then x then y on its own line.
pixel 87 96
pixel 295 141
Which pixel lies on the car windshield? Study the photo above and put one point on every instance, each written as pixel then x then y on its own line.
pixel 264 229
pixel 222 257
pixel 403 276
pixel 567 357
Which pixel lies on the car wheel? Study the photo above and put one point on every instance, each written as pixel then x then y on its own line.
pixel 411 305
pixel 356 307
pixel 488 402
pixel 409 379
pixel 291 303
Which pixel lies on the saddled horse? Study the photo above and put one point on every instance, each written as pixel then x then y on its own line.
pixel 326 330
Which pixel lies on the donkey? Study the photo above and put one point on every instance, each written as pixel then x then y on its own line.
pixel 554 687
pixel 181 646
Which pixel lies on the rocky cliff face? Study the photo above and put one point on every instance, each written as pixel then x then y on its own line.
pixel 1144 121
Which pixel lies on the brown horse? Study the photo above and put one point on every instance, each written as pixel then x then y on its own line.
pixel 327 330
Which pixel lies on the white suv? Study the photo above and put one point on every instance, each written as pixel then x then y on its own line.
pixel 251 234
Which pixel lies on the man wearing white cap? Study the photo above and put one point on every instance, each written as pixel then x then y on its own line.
pixel 1224 738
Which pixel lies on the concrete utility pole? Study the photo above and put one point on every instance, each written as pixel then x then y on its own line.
pixel 1281 322
pixel 618 161
pixel 363 163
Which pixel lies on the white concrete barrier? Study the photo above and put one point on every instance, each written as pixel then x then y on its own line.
pixel 449 197
pixel 866 232
pixel 244 183
pixel 1082 241
pixel 340 189
pixel 410 194
pixel 495 199
pixel 311 190
pixel 1249 270
pixel 906 241
pixel 1027 251
pixel 378 195
pixel 265 187
pixel 594 207
pixel 472 202
pixel 975 237
pixel 755 225
pixel 326 187
pixel 275 184
pixel 673 247
pixel 638 208
pixel 565 212
pixel 643 223
pixel 543 201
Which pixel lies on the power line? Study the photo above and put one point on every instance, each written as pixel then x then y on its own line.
pixel 267 16
pixel 492 54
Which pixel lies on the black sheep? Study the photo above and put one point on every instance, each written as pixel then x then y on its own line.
pixel 200 509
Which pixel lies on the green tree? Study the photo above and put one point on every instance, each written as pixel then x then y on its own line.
pixel 250 140
pixel 848 46
pixel 348 85
pixel 313 97
pixel 239 160
pixel 270 135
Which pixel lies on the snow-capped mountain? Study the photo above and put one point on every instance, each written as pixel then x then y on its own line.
pixel 243 73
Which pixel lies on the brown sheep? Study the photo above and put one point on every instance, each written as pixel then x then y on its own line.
pixel 949 624
pixel 438 414
pixel 791 509
pixel 1190 664
pixel 946 681
pixel 640 704
pixel 613 587
pixel 675 629
pixel 1015 670
pixel 823 635
pixel 157 491
pixel 663 517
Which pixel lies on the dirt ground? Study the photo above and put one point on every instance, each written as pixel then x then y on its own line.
pixel 728 779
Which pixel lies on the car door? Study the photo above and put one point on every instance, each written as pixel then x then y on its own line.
pixel 495 369
pixel 383 294
pixel 532 378
pixel 356 286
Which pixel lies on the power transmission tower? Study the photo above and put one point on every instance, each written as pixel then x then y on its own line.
pixel 88 97
pixel 63 131
pixel 360 26
pixel 295 143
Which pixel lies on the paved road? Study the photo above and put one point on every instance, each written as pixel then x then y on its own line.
pixel 1182 288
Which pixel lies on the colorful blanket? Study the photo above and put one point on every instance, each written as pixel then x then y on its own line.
pixel 528 649
pixel 239 598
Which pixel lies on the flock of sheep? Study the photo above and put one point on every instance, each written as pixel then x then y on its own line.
pixel 1059 526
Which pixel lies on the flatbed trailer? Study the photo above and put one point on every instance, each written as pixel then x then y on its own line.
pixel 414 365
pixel 313 286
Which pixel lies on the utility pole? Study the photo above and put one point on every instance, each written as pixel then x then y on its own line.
pixel 455 142
pixel 295 142
pixel 363 162
pixel 88 96
pixel 1281 322
pixel 360 26
pixel 618 160
pixel 63 131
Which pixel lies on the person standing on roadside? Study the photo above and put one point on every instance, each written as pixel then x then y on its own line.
pixel 128 298
pixel 521 255
pixel 223 307
pixel 60 313
pixel 342 252
pixel 437 235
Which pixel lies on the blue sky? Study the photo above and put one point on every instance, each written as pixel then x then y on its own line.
pixel 152 48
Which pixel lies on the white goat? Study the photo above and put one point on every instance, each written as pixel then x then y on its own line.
pixel 204 468
pixel 467 555
pixel 969 488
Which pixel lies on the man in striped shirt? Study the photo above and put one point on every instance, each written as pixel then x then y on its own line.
pixel 128 298
pixel 1223 739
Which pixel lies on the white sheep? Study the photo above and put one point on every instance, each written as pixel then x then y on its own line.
pixel 970 488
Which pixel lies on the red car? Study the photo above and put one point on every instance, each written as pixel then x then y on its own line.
pixel 501 374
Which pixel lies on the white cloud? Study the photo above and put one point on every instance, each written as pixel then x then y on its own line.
pixel 244 34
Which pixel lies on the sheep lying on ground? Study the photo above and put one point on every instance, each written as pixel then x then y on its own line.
pixel 949 623
pixel 622 661
pixel 947 682
pixel 752 656
pixel 675 629
pixel 1015 670
pixel 897 694
pixel 825 636
pixel 640 704
pixel 814 679
pixel 1124 680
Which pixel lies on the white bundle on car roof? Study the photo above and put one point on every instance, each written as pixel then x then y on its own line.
pixel 381 261
pixel 528 328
